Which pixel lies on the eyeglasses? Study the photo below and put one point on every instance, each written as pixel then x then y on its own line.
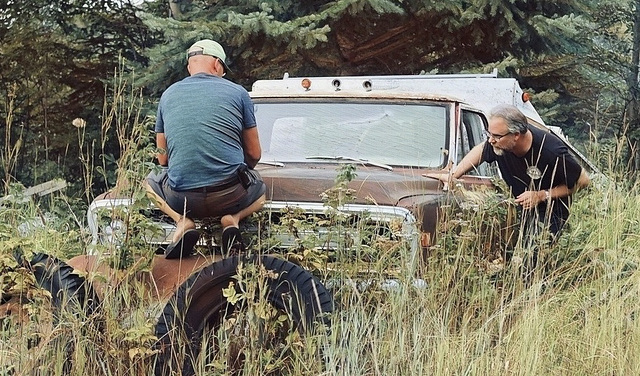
pixel 496 137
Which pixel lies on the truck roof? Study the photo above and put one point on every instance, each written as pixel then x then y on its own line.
pixel 480 91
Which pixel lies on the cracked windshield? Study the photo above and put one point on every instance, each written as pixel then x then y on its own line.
pixel 377 133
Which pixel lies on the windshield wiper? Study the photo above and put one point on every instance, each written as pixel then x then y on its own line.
pixel 361 161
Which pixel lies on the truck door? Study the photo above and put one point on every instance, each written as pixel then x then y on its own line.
pixel 472 133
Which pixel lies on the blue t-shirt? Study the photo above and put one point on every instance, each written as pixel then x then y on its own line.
pixel 202 117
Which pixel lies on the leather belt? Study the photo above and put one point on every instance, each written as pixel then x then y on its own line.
pixel 216 188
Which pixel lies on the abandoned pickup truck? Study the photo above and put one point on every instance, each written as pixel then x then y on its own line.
pixel 393 129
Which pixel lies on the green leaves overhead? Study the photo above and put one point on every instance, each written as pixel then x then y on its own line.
pixel 303 32
pixel 380 36
pixel 54 58
pixel 57 54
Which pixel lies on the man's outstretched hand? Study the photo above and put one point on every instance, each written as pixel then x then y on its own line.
pixel 445 176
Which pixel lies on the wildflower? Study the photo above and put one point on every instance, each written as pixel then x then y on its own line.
pixel 79 123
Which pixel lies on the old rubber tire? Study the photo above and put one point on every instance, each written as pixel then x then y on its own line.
pixel 68 290
pixel 199 304
pixel 70 294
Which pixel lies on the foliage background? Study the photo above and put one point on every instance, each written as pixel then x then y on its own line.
pixel 57 58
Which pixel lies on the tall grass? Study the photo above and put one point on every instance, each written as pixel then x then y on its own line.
pixel 576 314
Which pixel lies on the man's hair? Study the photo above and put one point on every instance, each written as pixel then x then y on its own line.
pixel 515 119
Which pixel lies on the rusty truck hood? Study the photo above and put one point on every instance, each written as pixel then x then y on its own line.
pixel 305 182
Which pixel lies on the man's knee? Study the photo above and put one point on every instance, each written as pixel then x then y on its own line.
pixel 259 203
pixel 253 207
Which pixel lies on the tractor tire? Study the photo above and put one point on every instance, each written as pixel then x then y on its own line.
pixel 69 291
pixel 70 295
pixel 199 306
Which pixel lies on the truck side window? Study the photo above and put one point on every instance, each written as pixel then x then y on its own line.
pixel 464 142
pixel 475 124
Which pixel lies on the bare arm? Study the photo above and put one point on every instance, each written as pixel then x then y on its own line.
pixel 251 146
pixel 583 182
pixel 161 144
pixel 469 162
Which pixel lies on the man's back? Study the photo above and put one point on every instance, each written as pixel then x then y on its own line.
pixel 202 118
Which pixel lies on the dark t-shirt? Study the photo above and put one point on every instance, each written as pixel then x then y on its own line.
pixel 546 165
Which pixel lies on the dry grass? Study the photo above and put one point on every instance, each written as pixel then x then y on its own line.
pixel 577 314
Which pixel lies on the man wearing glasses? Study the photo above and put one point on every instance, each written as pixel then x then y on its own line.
pixel 208 141
pixel 535 164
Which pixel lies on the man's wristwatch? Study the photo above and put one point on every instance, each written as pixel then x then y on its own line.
pixel 547 195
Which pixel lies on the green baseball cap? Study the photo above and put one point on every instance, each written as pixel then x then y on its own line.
pixel 211 48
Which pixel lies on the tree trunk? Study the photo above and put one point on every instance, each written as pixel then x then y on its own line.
pixel 174 9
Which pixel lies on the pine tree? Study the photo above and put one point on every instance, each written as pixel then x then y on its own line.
pixel 56 56
pixel 530 40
